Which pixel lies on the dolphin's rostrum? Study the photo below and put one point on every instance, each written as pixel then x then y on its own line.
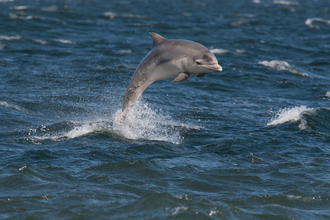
pixel 177 59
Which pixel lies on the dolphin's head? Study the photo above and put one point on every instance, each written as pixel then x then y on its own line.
pixel 204 62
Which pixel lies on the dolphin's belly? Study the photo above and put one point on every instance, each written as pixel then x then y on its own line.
pixel 168 70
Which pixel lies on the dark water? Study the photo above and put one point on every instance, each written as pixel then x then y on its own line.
pixel 251 142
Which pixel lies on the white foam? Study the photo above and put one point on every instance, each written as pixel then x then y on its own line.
pixel 113 15
pixel 124 51
pixel 22 168
pixel 179 209
pixel 40 41
pixel 327 94
pixel 79 130
pixel 52 8
pixel 290 115
pixel 282 65
pixel 309 22
pixel 20 16
pixel 279 2
pixel 7 105
pixel 219 51
pixel 16 37
pixel 64 41
pixel 19 8
pixel 143 123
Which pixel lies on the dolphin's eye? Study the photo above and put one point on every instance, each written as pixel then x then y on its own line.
pixel 198 63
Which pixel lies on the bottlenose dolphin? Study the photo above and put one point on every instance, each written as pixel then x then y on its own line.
pixel 177 59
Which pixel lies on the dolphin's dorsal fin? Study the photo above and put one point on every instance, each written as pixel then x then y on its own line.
pixel 156 39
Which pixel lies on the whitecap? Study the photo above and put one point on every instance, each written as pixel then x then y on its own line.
pixel 12 106
pixel 22 168
pixel 290 115
pixel 219 51
pixel 21 16
pixel 16 37
pixel 64 41
pixel 241 51
pixel 19 8
pixel 113 15
pixel 327 94
pixel 279 2
pixel 179 209
pixel 309 22
pixel 52 8
pixel 40 41
pixel 124 51
pixel 282 65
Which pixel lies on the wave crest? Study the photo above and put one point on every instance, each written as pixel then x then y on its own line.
pixel 289 115
pixel 282 65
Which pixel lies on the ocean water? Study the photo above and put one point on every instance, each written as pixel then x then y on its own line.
pixel 251 142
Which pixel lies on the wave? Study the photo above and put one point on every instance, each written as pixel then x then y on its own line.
pixel 113 15
pixel 281 2
pixel 12 106
pixel 312 119
pixel 224 51
pixel 19 8
pixel 219 51
pixel 282 65
pixel 327 94
pixel 20 16
pixel 8 38
pixel 143 123
pixel 121 52
pixel 64 41
pixel 39 41
pixel 309 22
pixel 43 42
pixel 291 115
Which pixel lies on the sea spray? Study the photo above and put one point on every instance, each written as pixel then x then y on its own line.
pixel 290 115
pixel 143 123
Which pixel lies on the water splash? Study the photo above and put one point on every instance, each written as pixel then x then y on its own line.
pixel 290 115
pixel 143 123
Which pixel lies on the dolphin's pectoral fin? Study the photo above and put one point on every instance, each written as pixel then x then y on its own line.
pixel 201 75
pixel 181 77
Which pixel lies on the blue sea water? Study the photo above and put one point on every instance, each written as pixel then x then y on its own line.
pixel 251 142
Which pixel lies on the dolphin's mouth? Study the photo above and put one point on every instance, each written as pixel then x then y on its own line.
pixel 215 67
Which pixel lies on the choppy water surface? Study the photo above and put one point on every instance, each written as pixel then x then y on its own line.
pixel 251 142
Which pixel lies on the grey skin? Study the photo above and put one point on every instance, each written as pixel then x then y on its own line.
pixel 177 59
